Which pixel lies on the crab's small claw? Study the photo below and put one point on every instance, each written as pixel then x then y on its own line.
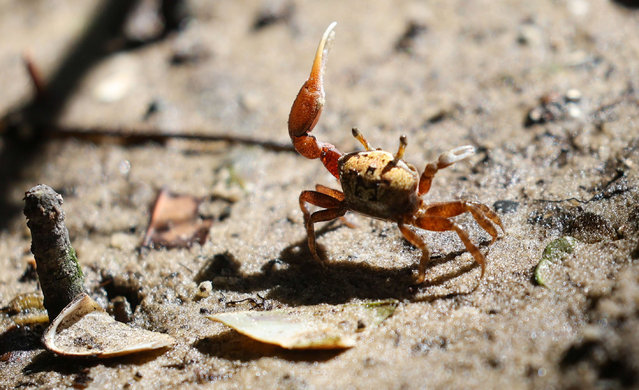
pixel 307 108
pixel 455 155
pixel 445 160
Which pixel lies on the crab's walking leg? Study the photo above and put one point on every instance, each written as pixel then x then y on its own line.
pixel 307 108
pixel 339 195
pixel 440 224
pixel 416 240
pixel 480 212
pixel 444 160
pixel 333 210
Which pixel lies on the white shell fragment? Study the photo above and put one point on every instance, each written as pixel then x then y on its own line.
pixel 84 329
pixel 310 327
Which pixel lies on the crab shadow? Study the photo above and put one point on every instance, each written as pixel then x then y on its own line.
pixel 296 278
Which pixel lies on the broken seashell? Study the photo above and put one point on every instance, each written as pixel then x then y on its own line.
pixel 276 327
pixel 84 329
pixel 320 327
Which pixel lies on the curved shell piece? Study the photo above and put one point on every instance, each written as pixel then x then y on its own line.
pixel 84 329
pixel 311 327
pixel 277 327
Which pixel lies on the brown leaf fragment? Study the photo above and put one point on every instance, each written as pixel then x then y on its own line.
pixel 175 222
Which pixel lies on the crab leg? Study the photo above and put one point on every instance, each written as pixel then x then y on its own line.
pixel 339 195
pixel 334 209
pixel 307 108
pixel 440 224
pixel 416 240
pixel 484 216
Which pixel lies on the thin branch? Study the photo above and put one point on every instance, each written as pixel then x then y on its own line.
pixel 133 136
pixel 35 76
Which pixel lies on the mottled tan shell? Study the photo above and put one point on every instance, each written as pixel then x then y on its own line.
pixel 375 184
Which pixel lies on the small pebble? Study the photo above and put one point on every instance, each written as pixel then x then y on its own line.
pixel 530 35
pixel 124 167
pixel 578 7
pixel 204 289
pixel 116 79
pixel 573 95
pixel 506 206
pixel 573 110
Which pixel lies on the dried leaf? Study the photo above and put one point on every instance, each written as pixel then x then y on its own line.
pixel 317 327
pixel 175 222
pixel 380 310
pixel 84 329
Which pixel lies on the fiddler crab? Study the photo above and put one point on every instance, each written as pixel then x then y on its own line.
pixel 377 183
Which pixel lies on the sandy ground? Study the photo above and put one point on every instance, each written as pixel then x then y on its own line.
pixel 445 73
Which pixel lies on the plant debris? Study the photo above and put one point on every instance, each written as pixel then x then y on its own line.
pixel 258 302
pixel 317 327
pixel 556 251
pixel 406 42
pixel 84 329
pixel 175 222
pixel 273 12
pixel 27 309
pixel 555 107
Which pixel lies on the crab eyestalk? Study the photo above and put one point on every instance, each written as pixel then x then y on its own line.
pixel 307 108
pixel 402 148
pixel 360 137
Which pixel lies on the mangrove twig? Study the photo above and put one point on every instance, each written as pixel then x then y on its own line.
pixel 60 276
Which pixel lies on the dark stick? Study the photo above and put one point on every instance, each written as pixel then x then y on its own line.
pixel 137 136
pixel 59 273
pixel 35 76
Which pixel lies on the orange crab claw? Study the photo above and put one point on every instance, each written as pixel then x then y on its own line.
pixel 307 108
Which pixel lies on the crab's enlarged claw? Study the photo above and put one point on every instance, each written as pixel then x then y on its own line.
pixel 307 108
